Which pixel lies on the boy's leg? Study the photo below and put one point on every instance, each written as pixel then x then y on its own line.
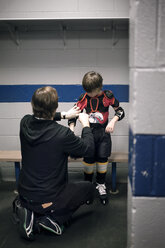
pixel 88 164
pixel 103 152
pixel 101 167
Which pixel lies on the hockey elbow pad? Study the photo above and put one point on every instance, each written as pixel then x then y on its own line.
pixel 119 112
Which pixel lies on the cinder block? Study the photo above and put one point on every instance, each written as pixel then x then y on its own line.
pixel 159 165
pixel 52 39
pixel 38 6
pixel 115 58
pixel 9 143
pixel 121 5
pixel 161 36
pixel 64 9
pixel 120 143
pixel 147 96
pixel 143 19
pixel 146 167
pixel 7 172
pixel 132 100
pixel 9 127
pixel 95 5
pixel 145 221
pixel 14 110
pixel 95 39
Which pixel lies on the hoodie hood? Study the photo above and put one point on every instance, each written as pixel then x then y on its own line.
pixel 37 131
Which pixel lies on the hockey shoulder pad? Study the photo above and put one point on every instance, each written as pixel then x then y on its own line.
pixel 108 98
pixel 119 112
pixel 108 94
pixel 81 97
pixel 82 102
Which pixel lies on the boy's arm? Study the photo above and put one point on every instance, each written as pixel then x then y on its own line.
pixel 110 100
pixel 119 111
pixel 119 115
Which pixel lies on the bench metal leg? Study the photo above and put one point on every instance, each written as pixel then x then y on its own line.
pixel 17 171
pixel 114 190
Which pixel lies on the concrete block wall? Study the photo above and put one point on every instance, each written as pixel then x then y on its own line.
pixel 42 53
pixel 72 9
pixel 146 195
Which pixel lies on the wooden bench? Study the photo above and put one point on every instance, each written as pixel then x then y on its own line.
pixel 15 156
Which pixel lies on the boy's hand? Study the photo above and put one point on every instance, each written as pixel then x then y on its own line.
pixel 84 119
pixel 111 125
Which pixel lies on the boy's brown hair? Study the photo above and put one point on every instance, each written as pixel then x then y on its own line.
pixel 92 81
pixel 45 102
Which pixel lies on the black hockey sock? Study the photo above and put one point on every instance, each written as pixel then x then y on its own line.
pixel 100 178
pixel 88 177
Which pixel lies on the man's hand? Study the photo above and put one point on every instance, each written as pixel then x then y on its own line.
pixel 71 113
pixel 84 119
pixel 71 126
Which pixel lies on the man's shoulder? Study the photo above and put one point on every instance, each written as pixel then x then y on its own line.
pixel 62 130
pixel 26 117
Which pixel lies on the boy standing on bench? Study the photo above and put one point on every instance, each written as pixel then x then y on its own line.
pixel 96 103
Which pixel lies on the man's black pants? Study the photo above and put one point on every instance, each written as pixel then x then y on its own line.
pixel 69 200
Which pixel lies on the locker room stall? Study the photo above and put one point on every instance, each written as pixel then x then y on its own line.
pixel 58 51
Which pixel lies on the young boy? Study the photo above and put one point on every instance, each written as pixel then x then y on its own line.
pixel 96 102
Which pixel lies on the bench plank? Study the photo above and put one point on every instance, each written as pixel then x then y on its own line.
pixel 15 156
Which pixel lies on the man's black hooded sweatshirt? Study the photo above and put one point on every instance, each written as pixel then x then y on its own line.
pixel 45 147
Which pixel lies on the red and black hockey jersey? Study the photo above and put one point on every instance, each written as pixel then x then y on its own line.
pixel 97 107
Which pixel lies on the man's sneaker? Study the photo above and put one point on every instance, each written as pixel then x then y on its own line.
pixel 102 193
pixel 16 207
pixel 26 218
pixel 88 202
pixel 50 225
